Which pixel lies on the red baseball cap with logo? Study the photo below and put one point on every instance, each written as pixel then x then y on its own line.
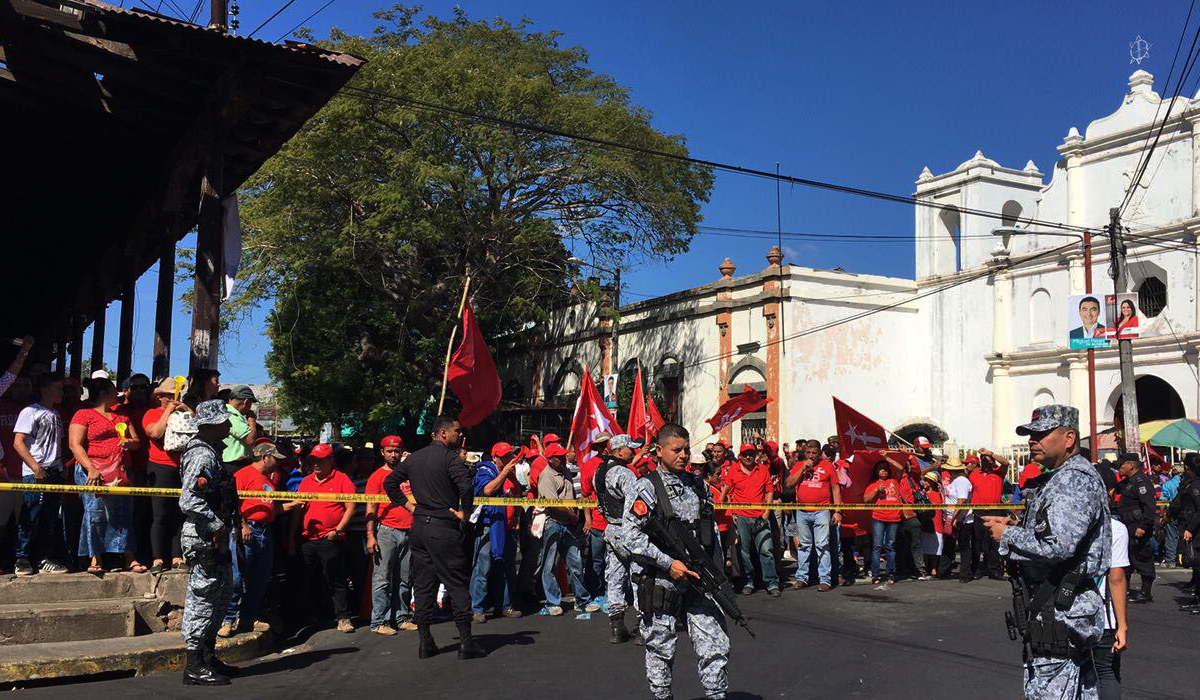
pixel 923 442
pixel 747 447
pixel 391 441
pixel 321 451
pixel 502 449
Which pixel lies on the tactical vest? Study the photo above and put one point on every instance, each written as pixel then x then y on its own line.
pixel 611 507
pixel 703 528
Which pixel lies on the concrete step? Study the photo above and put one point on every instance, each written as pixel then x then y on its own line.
pixel 66 621
pixel 58 587
pixel 162 651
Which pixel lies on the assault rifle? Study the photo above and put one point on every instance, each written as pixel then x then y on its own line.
pixel 677 541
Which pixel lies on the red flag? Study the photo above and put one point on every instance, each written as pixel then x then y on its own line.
pixel 653 417
pixel 732 410
pixel 591 419
pixel 638 423
pixel 856 431
pixel 473 375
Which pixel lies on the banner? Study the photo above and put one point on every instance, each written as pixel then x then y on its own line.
pixel 654 418
pixel 856 431
pixel 472 374
pixel 1085 319
pixel 732 410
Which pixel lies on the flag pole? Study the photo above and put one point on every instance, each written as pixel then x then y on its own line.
pixel 450 345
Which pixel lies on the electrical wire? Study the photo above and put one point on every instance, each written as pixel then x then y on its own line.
pixel 301 22
pixel 1178 343
pixel 267 21
pixel 715 165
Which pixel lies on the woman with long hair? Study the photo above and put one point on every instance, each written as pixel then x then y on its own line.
pixel 101 439
pixel 202 386
pixel 1127 319
pixel 884 491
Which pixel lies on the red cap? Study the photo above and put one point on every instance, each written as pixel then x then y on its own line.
pixel 554 450
pixel 551 438
pixel 722 443
pixel 262 440
pixel 971 459
pixel 747 447
pixel 391 441
pixel 502 449
pixel 321 451
pixel 922 442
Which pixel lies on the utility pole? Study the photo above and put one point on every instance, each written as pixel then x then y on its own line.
pixel 218 15
pixel 1116 269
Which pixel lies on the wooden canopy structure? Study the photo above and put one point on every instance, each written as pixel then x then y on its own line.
pixel 122 131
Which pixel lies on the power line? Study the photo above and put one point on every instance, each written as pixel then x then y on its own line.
pixel 867 237
pixel 715 165
pixel 301 22
pixel 267 21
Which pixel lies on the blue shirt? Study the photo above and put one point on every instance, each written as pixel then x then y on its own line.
pixel 1170 488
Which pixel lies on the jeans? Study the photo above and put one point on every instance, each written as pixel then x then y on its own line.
pixel 39 525
pixel 559 540
pixel 594 576
pixel 391 583
pixel 884 537
pixel 814 535
pixel 164 527
pixel 755 535
pixel 254 577
pixel 1170 543
pixel 483 584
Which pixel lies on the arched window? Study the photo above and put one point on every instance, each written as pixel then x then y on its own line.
pixel 668 394
pixel 1044 397
pixel 1009 216
pixel 951 229
pixel 1152 296
pixel 1041 317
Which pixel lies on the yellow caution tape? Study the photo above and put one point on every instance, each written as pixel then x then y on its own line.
pixel 486 501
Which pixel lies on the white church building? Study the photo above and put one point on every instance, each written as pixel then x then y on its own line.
pixel 962 353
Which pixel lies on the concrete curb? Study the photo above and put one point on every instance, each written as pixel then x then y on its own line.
pixel 144 654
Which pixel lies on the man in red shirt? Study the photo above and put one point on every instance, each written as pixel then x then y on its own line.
pixel 388 529
pixel 722 459
pixel 251 575
pixel 594 523
pixel 322 526
pixel 750 482
pixel 987 486
pixel 816 483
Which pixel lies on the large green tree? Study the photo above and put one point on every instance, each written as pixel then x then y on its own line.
pixel 363 227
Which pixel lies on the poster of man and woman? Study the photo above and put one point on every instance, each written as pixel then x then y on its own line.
pixel 1096 325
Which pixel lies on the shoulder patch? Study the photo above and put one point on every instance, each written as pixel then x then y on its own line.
pixel 1142 490
pixel 202 482
pixel 640 508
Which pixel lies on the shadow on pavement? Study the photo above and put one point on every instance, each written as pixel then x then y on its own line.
pixel 294 662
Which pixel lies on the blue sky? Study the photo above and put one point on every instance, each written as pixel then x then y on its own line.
pixel 864 94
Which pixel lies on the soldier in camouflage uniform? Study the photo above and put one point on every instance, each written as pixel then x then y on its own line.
pixel 1065 527
pixel 669 578
pixel 613 482
pixel 208 500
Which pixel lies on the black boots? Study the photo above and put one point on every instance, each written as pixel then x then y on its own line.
pixel 1144 595
pixel 224 669
pixel 198 672
pixel 620 635
pixel 468 648
pixel 426 646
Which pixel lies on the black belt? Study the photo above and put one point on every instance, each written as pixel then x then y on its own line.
pixel 436 521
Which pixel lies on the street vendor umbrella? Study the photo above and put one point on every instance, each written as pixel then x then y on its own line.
pixel 1183 433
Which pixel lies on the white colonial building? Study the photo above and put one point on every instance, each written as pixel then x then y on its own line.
pixel 961 353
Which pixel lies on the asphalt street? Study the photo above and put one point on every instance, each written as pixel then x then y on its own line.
pixel 936 639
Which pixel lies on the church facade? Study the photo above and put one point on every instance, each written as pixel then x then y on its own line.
pixel 961 353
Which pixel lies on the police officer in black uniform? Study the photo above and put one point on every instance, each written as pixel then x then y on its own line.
pixel 441 532
pixel 1185 511
pixel 1137 510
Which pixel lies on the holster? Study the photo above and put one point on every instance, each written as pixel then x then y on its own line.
pixel 657 600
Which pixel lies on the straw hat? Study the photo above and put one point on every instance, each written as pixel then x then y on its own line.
pixel 954 463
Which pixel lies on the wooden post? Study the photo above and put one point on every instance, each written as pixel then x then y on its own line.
pixel 125 332
pixel 98 338
pixel 62 336
pixel 206 309
pixel 450 346
pixel 162 312
pixel 77 325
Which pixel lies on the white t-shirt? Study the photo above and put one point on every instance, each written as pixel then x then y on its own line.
pixel 44 436
pixel 1120 560
pixel 960 492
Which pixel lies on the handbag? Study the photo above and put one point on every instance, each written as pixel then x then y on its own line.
pixel 179 431
pixel 112 468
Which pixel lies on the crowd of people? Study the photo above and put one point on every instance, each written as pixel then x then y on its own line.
pixel 355 560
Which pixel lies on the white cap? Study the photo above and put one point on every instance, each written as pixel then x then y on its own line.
pixel 100 374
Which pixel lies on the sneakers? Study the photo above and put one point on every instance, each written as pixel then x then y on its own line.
pixel 22 567
pixel 227 630
pixel 479 618
pixel 773 592
pixel 592 607
pixel 554 610
pixel 512 612
pixel 52 567
pixel 408 626
pixel 384 630
pixel 748 590
pixel 345 625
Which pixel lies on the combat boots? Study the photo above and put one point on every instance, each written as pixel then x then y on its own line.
pixel 210 658
pixel 198 672
pixel 468 648
pixel 620 635
pixel 426 646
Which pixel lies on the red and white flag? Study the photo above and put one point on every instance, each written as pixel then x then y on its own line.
pixel 472 374
pixel 638 423
pixel 653 417
pixel 856 431
pixel 591 419
pixel 732 410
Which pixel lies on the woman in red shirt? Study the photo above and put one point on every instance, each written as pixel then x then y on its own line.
pixel 884 491
pixel 95 441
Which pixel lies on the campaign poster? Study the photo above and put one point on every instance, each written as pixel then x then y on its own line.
pixel 610 391
pixel 1086 321
pixel 1123 310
